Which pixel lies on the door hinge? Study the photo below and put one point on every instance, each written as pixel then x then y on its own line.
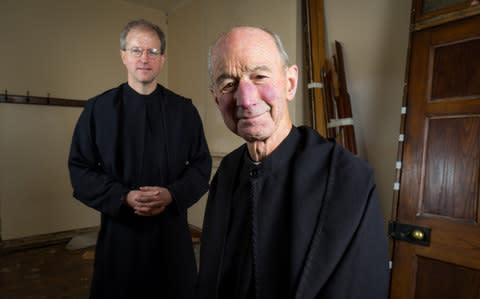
pixel 409 233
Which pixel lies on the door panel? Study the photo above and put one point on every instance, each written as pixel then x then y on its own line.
pixel 450 187
pixel 448 279
pixel 454 70
pixel 440 176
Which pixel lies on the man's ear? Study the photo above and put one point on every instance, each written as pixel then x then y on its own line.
pixel 122 55
pixel 292 81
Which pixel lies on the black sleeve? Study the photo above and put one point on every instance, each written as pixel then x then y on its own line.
pixel 91 185
pixel 210 249
pixel 363 270
pixel 193 182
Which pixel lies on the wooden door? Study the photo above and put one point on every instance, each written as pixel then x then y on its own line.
pixel 440 176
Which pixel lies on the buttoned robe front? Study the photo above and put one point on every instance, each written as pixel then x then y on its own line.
pixel 314 228
pixel 122 141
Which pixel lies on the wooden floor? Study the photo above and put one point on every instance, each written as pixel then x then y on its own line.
pixel 50 272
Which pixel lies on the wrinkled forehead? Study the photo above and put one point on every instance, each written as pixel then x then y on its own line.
pixel 244 48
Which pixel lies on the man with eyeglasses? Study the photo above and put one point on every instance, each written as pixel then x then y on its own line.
pixel 139 156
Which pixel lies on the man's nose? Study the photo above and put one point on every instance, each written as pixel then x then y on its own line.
pixel 245 94
pixel 144 57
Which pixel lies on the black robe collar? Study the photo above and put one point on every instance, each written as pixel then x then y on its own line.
pixel 279 158
pixel 304 207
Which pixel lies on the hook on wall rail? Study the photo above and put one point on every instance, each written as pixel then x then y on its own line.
pixel 48 100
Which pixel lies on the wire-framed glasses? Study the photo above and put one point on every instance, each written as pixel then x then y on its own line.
pixel 138 52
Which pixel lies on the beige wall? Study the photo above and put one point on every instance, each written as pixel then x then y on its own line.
pixel 374 34
pixel 69 49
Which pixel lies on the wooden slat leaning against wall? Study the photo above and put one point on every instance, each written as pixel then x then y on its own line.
pixel 315 55
pixel 320 90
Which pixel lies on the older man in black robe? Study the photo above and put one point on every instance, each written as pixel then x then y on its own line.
pixel 139 156
pixel 290 214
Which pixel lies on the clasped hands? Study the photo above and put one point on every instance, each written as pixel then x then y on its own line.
pixel 149 200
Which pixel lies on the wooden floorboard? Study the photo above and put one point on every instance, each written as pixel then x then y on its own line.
pixel 47 272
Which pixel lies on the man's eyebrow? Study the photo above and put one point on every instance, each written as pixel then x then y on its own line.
pixel 225 76
pixel 222 77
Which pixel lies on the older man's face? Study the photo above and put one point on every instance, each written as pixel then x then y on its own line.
pixel 251 84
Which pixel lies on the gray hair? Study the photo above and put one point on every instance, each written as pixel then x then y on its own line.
pixel 276 38
pixel 142 25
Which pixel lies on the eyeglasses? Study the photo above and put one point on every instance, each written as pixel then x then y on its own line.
pixel 138 52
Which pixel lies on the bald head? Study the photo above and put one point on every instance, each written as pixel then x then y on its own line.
pixel 226 38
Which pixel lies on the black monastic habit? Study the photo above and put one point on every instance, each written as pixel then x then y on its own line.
pixel 304 223
pixel 122 141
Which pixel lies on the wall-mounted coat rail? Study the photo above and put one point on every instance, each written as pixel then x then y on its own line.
pixel 17 99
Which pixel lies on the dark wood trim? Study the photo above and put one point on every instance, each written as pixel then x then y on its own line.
pixel 8 246
pixel 419 15
pixel 446 18
pixel 402 131
pixel 17 99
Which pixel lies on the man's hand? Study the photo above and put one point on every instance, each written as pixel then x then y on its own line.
pixel 149 201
